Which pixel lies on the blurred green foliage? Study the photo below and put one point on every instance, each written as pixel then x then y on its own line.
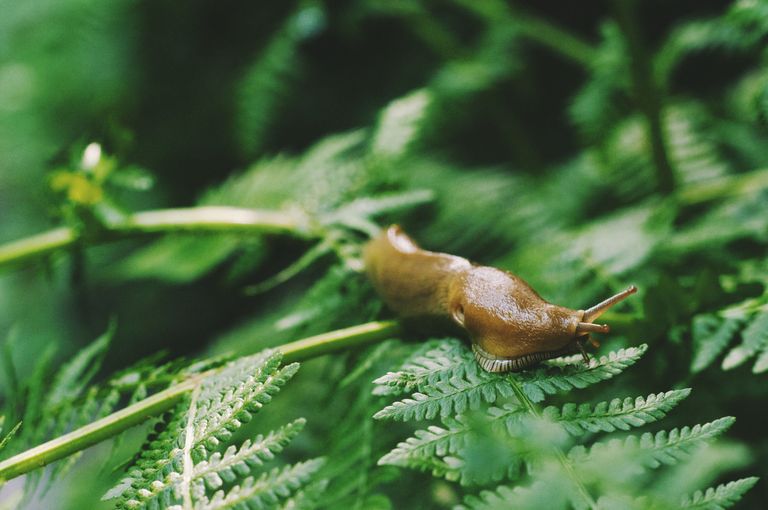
pixel 583 149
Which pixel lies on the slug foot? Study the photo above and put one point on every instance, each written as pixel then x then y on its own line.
pixel 497 364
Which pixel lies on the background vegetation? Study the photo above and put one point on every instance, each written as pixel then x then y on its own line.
pixel 584 149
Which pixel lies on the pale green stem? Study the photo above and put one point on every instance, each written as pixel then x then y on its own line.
pixel 205 219
pixel 134 414
pixel 189 439
pixel 536 29
pixel 719 187
pixel 567 466
pixel 95 432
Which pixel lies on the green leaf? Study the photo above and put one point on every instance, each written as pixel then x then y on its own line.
pixel 539 495
pixel 192 457
pixel 436 360
pixel 433 442
pixel 536 384
pixel 267 491
pixel 755 339
pixel 4 441
pixel 74 375
pixel 711 335
pixel 399 124
pixel 653 450
pixel 450 396
pixel 236 462
pixel 618 414
pixel 721 497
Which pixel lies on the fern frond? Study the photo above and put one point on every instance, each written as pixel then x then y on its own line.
pixel 399 124
pixel 450 397
pixel 721 497
pixel 75 375
pixel 307 498
pixel 593 108
pixel 4 441
pixel 711 335
pixel 754 340
pixel 653 450
pixel 267 491
pixel 621 414
pixel 458 387
pixel 433 442
pixel 237 463
pixel 437 360
pixel 191 452
pixel 156 471
pixel 234 395
pixel 537 495
pixel 269 78
pixel 548 381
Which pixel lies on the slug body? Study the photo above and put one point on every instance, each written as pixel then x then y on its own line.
pixel 510 325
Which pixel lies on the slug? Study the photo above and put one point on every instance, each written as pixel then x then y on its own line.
pixel 511 327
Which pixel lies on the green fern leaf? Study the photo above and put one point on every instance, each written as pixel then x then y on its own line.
pixel 4 441
pixel 267 491
pixel 268 80
pixel 654 450
pixel 437 360
pixel 234 395
pixel 755 339
pixel 307 498
pixel 719 498
pixel 77 373
pixel 538 495
pixel 184 459
pixel 621 414
pixel 399 124
pixel 433 442
pixel 457 387
pixel 548 381
pixel 237 463
pixel 155 472
pixel 761 363
pixel 451 396
pixel 711 335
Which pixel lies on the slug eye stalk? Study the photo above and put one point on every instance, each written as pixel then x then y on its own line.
pixel 587 327
pixel 596 311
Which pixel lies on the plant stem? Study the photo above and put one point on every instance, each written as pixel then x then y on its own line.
pixel 535 29
pixel 567 466
pixel 95 432
pixel 720 187
pixel 194 219
pixel 338 340
pixel 647 95
pixel 135 414
pixel 555 38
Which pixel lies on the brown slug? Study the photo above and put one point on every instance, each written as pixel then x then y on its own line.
pixel 510 325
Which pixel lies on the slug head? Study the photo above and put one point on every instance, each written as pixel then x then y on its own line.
pixel 512 327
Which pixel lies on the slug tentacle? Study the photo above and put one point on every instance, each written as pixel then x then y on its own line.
pixel 510 325
pixel 598 310
pixel 588 327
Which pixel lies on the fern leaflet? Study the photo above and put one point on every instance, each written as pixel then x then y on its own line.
pixel 618 414
pixel 653 450
pixel 191 461
pixel 721 497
